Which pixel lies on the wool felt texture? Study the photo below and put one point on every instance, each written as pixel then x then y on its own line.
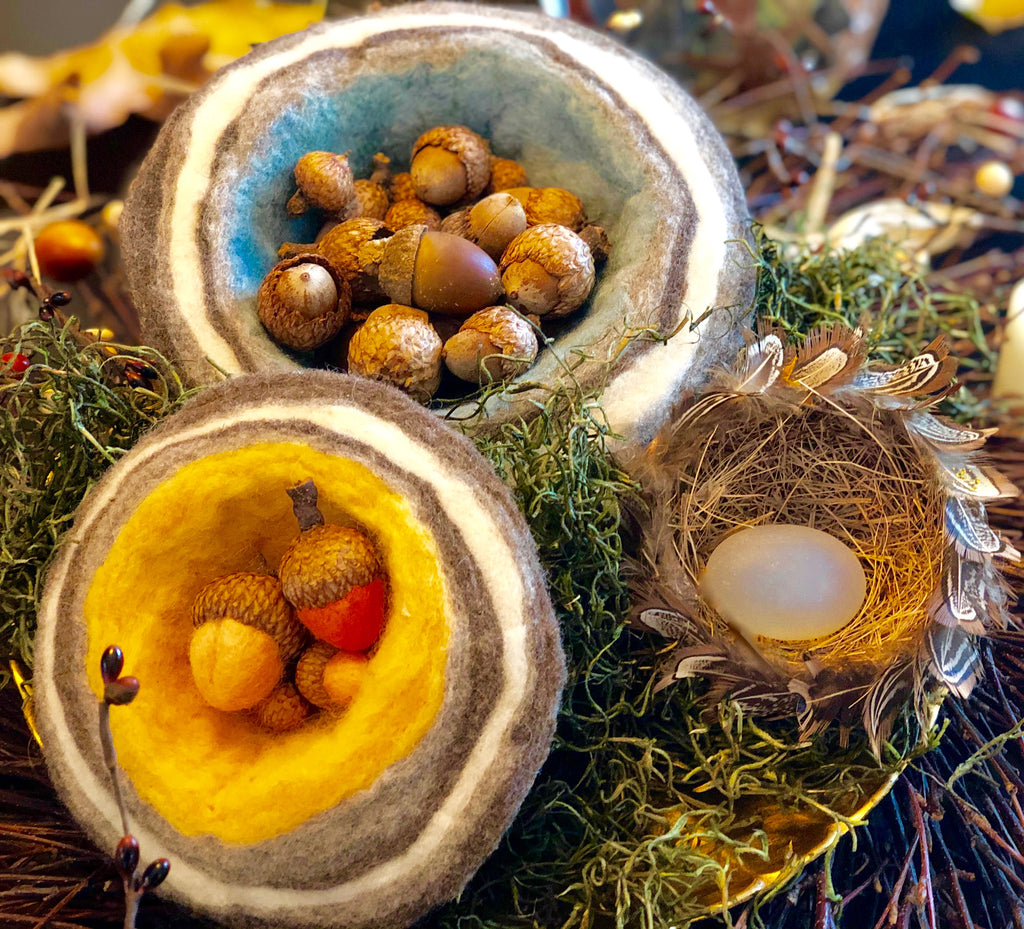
pixel 205 215
pixel 387 853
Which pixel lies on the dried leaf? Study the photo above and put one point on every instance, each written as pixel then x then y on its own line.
pixel 146 69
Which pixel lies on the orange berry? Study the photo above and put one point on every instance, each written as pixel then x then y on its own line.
pixel 344 674
pixel 352 623
pixel 68 250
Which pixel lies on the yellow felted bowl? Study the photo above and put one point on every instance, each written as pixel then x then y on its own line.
pixel 369 817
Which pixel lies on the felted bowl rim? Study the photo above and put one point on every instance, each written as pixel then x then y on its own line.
pixel 648 159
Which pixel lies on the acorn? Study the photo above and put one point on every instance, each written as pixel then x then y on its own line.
pixel 303 302
pixel 369 199
pixel 597 241
pixel 449 164
pixel 245 633
pixel 411 212
pixel 491 223
pixel 547 270
pixel 398 344
pixel 492 345
pixel 68 250
pixel 438 272
pixel 401 187
pixel 354 249
pixel 506 173
pixel 333 577
pixel 285 708
pixel 309 673
pixel 325 181
pixel 550 205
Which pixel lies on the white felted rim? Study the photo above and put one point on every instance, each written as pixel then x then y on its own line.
pixel 164 250
pixel 401 443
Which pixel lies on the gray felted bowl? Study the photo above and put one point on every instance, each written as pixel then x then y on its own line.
pixel 205 216
pixel 443 740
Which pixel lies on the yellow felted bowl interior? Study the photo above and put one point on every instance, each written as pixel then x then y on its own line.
pixel 229 512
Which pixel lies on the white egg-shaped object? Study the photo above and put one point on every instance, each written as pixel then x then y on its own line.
pixel 784 582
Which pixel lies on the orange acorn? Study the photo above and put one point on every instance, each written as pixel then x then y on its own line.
pixel 333 577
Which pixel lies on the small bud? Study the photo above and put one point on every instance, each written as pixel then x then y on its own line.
pixel 126 856
pixel 111 664
pixel 154 875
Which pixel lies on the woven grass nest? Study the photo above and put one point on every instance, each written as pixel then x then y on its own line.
pixel 813 437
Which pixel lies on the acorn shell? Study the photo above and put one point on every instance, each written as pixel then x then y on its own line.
pixel 280 305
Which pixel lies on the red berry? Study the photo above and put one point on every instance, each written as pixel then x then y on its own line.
pixel 68 250
pixel 14 363
pixel 352 623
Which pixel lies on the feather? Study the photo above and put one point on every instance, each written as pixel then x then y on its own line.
pixel 828 357
pixel 964 479
pixel 929 372
pixel 956 602
pixel 944 434
pixel 671 624
pixel 888 696
pixel 968 529
pixel 694 661
pixel 759 366
pixel 953 659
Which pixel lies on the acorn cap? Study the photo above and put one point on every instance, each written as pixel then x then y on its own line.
pixel 506 173
pixel 550 262
pixel 369 199
pixel 325 562
pixel 257 600
pixel 303 302
pixel 325 181
pixel 411 212
pixel 397 344
pixel 550 205
pixel 285 708
pixel 309 673
pixel 354 249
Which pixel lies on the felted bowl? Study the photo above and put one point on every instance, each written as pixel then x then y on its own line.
pixel 206 215
pixel 367 818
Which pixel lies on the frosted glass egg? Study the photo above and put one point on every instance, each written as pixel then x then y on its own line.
pixel 784 582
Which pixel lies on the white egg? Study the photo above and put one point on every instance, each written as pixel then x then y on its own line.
pixel 784 582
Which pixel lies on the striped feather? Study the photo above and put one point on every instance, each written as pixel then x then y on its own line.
pixel 888 697
pixel 953 659
pixel 828 357
pixel 944 434
pixel 955 594
pixel 760 365
pixel 926 373
pixel 671 624
pixel 968 529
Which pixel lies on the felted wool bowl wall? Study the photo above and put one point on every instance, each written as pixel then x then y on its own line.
pixel 365 818
pixel 206 214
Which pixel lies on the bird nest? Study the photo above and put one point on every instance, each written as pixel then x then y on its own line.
pixel 813 437
pixel 853 473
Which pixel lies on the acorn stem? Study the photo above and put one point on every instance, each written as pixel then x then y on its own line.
pixel 304 498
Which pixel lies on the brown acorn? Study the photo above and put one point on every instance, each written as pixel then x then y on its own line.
pixel 333 577
pixel 491 223
pixel 309 673
pixel 369 200
pixel 354 249
pixel 285 708
pixel 492 345
pixel 401 187
pixel 328 677
pixel 506 173
pixel 303 302
pixel 449 164
pixel 547 270
pixel 325 181
pixel 438 272
pixel 399 345
pixel 411 212
pixel 245 633
pixel 550 205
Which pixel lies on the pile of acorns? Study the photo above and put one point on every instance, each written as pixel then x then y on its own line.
pixel 505 258
pixel 279 647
